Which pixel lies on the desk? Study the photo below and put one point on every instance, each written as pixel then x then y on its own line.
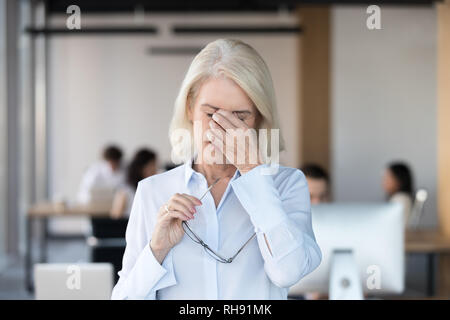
pixel 41 212
pixel 429 242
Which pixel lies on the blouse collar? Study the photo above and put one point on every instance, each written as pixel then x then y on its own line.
pixel 189 172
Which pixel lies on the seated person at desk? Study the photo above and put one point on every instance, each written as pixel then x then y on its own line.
pixel 398 186
pixel 143 165
pixel 318 183
pixel 106 174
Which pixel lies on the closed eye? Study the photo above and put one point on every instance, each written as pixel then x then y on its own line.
pixel 241 116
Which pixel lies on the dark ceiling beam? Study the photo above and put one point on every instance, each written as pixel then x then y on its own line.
pixel 174 50
pixel 213 29
pixel 93 31
pixel 177 29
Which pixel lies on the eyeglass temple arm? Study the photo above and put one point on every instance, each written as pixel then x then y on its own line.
pixel 209 188
pixel 253 235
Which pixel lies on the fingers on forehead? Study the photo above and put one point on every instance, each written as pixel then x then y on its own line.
pixel 223 120
pixel 233 118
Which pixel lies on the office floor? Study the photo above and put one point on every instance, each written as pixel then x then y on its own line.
pixel 75 250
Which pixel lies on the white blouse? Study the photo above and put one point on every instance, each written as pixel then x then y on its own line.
pixel 405 200
pixel 275 205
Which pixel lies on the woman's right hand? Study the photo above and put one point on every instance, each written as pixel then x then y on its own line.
pixel 168 229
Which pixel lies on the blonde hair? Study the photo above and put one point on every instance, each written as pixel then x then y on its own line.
pixel 237 61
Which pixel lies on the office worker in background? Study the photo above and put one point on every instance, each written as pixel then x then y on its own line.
pixel 318 183
pixel 107 174
pixel 143 165
pixel 250 236
pixel 398 186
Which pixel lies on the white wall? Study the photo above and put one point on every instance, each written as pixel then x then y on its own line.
pixel 383 100
pixel 109 89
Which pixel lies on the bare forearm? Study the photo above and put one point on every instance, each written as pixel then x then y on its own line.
pixel 159 253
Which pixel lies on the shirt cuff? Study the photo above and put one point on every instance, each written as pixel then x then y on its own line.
pixel 148 275
pixel 260 198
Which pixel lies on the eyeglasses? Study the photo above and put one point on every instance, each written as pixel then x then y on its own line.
pixel 191 234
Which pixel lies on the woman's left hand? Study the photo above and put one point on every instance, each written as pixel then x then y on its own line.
pixel 226 129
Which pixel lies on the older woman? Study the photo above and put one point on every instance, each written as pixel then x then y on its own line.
pixel 223 225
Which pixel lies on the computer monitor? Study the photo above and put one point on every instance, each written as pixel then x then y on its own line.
pixel 362 248
pixel 73 281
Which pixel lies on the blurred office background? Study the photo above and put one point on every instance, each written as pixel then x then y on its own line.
pixel 350 99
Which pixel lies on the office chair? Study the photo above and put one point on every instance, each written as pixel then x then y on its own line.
pixel 107 241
